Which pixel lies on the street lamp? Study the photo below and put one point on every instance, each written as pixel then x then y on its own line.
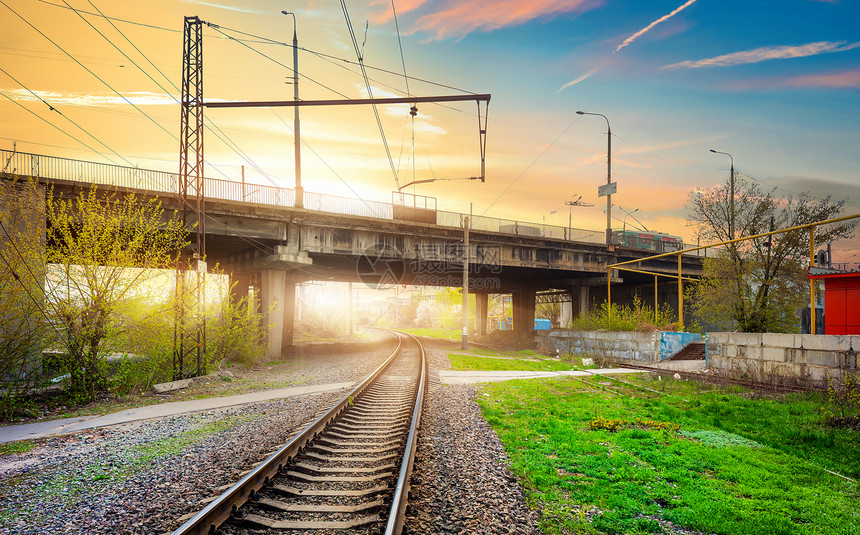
pixel 296 130
pixel 731 194
pixel 608 173
pixel 624 221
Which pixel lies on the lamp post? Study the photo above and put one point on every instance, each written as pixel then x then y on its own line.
pixel 296 130
pixel 624 221
pixel 731 194
pixel 608 174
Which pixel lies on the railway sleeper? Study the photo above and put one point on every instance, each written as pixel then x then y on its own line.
pixel 327 493
pixel 363 436
pixel 356 459
pixel 268 523
pixel 370 428
pixel 349 442
pixel 289 507
pixel 357 451
pixel 310 468
pixel 299 476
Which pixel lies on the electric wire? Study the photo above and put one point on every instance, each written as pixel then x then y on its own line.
pixel 57 127
pixel 156 123
pixel 369 90
pixel 17 278
pixel 258 244
pixel 267 40
pixel 217 28
pixel 228 142
pixel 412 110
pixel 526 170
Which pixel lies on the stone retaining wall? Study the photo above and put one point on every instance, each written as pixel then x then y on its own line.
pixel 805 358
pixel 625 346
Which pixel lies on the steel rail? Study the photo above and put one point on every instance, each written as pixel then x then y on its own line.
pixel 219 510
pixel 397 515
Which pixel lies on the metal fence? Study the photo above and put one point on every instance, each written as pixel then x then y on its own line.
pixel 51 167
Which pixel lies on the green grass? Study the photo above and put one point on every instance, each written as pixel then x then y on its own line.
pixel 444 334
pixel 737 465
pixel 22 446
pixel 470 362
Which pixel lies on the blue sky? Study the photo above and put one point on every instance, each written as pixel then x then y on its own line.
pixel 774 83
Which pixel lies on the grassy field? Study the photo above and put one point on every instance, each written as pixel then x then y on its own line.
pixel 695 456
pixel 471 362
pixel 443 334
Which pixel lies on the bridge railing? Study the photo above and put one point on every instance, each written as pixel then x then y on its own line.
pixel 52 167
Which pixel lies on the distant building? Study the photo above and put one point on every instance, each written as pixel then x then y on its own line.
pixel 841 298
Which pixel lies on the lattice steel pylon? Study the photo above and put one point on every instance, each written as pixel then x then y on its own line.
pixel 190 327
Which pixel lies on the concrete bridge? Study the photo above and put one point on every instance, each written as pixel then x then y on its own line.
pixel 261 240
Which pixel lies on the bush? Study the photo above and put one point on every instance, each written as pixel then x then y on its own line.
pixel 639 317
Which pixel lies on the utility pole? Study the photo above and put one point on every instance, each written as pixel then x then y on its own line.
pixel 731 193
pixel 466 223
pixel 296 126
pixel 571 204
pixel 609 190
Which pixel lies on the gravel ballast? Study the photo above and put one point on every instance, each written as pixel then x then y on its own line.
pixel 461 480
pixel 141 477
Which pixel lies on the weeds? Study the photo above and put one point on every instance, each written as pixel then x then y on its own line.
pixel 842 406
pixel 638 317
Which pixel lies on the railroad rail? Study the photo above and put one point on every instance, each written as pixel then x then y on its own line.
pixel 347 472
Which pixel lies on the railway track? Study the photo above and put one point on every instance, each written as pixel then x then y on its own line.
pixel 347 472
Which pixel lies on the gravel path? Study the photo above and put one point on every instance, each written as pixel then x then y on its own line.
pixel 141 477
pixel 461 482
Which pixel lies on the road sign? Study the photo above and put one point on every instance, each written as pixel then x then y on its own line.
pixel 607 189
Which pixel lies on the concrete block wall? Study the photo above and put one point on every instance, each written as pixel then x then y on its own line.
pixel 802 358
pixel 626 346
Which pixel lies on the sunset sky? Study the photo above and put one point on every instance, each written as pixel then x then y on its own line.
pixel 774 83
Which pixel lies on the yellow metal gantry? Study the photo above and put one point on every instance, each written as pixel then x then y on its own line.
pixel 680 278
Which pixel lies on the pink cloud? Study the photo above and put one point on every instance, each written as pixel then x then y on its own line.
pixel 457 18
pixel 837 80
pixel 403 6
pixel 847 79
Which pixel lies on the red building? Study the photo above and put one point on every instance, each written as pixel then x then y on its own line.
pixel 841 299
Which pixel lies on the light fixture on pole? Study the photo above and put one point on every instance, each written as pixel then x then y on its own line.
pixel 731 194
pixel 624 221
pixel 608 188
pixel 296 130
pixel 570 204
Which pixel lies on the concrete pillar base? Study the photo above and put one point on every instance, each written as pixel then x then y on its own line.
pixel 482 300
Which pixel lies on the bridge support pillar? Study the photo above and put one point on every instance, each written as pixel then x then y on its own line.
pixel 289 314
pixel 482 300
pixel 524 311
pixel 583 300
pixel 566 315
pixel 240 284
pixel 274 302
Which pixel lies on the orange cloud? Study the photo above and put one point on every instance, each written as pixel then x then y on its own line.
pixel 457 18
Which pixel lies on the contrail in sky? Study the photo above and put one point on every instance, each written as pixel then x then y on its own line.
pixel 655 23
pixel 577 80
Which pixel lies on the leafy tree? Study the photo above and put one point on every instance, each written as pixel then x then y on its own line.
pixel 106 248
pixel 22 273
pixel 757 285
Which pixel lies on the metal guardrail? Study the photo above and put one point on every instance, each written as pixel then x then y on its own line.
pixel 51 167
